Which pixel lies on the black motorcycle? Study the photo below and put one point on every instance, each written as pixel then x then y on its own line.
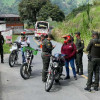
pixel 13 57
pixel 56 68
pixel 25 69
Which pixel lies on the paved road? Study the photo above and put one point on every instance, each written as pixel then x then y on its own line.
pixel 13 87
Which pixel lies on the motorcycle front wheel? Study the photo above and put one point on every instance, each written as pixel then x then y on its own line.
pixel 12 59
pixel 24 71
pixel 49 81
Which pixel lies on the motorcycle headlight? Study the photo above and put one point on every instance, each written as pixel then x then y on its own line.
pixel 27 54
pixel 55 64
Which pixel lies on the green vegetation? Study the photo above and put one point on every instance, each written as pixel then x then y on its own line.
pixel 11 6
pixel 68 5
pixel 34 10
pixel 8 2
pixel 85 21
pixel 7 46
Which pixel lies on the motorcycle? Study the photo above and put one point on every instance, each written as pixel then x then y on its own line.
pixel 13 57
pixel 55 72
pixel 25 69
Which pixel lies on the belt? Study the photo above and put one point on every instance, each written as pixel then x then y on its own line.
pixel 46 54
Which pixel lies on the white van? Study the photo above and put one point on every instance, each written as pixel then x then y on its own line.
pixel 41 28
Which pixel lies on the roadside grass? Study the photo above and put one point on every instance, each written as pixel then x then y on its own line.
pixel 6 47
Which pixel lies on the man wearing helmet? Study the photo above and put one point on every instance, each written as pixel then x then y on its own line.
pixel 69 49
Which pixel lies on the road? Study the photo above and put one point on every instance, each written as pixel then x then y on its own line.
pixel 13 87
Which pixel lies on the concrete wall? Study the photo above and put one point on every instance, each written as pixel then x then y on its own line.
pixel 7 33
pixel 2 27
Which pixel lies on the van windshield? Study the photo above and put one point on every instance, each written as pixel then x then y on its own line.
pixel 42 25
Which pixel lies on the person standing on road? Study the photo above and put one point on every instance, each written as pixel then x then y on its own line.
pixel 93 61
pixel 47 48
pixel 1 47
pixel 79 46
pixel 69 49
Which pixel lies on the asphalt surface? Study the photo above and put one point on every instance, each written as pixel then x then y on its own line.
pixel 14 87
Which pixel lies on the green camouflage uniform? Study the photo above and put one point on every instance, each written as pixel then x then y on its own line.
pixel 93 62
pixel 46 52
pixel 79 55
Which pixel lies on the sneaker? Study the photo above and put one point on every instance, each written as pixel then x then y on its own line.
pixel 96 88
pixel 67 77
pixel 87 89
pixel 75 77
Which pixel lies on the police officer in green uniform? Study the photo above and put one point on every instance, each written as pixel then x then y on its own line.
pixel 79 54
pixel 47 48
pixel 93 61
pixel 1 46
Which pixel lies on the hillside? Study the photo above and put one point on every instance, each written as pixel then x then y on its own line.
pixel 68 5
pixel 80 23
pixel 11 6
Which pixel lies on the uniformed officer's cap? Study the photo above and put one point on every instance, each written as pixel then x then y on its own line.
pixel 50 36
pixel 78 33
pixel 94 33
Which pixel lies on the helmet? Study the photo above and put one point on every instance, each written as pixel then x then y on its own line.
pixel 67 39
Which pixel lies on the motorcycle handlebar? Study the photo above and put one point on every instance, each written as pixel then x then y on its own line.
pixel 37 49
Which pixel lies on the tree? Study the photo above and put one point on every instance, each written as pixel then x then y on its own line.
pixel 28 9
pixel 56 14
pixel 33 10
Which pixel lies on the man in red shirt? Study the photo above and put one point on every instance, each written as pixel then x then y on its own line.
pixel 69 49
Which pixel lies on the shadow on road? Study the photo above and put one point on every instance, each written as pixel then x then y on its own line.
pixel 36 73
pixel 58 86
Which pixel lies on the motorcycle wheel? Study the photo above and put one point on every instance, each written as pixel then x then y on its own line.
pixel 24 71
pixel 49 81
pixel 12 59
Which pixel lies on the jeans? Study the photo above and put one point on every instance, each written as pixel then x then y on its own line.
pixel 72 65
pixel 23 56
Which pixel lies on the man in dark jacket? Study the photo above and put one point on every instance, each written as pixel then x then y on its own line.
pixel 79 46
pixel 93 61
pixel 1 47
